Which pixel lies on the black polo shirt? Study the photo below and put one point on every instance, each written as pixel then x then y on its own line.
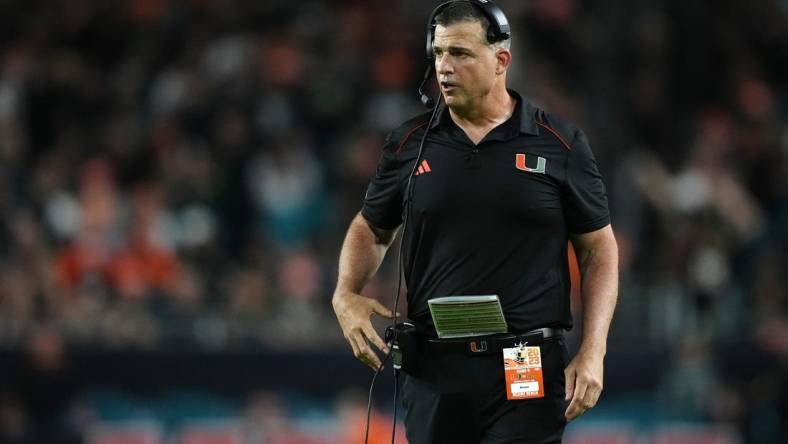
pixel 492 218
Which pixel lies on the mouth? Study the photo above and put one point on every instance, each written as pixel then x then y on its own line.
pixel 448 86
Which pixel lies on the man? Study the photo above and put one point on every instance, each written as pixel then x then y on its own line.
pixel 500 189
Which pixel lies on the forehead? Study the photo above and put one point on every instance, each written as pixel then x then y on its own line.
pixel 465 33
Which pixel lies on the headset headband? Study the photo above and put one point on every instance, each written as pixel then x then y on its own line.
pixel 499 25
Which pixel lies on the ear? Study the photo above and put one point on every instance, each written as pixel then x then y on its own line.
pixel 503 59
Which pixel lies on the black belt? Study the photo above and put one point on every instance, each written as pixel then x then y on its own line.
pixel 410 346
pixel 485 345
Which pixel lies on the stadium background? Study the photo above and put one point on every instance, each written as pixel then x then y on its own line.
pixel 176 178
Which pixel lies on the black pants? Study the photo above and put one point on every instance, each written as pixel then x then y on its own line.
pixel 461 399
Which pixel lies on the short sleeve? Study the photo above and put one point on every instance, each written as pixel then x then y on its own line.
pixel 585 194
pixel 383 200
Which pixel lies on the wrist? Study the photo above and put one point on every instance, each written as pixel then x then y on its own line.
pixel 591 347
pixel 338 296
pixel 341 294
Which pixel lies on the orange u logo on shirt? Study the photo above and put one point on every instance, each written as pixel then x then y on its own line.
pixel 541 164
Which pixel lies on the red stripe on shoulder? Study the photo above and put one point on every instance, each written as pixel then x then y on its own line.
pixel 407 136
pixel 555 133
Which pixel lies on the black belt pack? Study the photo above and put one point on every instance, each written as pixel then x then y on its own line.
pixel 405 342
pixel 408 344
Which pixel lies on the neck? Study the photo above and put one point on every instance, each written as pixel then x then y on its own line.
pixel 492 108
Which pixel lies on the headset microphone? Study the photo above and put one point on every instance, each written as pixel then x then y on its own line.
pixel 428 101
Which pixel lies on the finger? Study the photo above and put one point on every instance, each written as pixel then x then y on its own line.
pixel 368 356
pixel 352 342
pixel 576 407
pixel 592 395
pixel 569 377
pixel 378 308
pixel 361 350
pixel 573 411
pixel 375 339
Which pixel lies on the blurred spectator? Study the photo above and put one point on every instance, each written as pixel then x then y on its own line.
pixel 46 390
pixel 94 233
pixel 144 265
pixel 299 317
pixel 14 423
pixel 287 184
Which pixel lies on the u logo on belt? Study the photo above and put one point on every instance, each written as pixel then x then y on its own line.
pixel 478 346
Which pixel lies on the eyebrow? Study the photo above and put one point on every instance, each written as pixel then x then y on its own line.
pixel 452 48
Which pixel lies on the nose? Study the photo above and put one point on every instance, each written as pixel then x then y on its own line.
pixel 443 64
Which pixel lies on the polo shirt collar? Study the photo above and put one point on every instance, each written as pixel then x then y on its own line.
pixel 523 118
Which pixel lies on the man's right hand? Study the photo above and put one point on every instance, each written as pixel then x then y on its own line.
pixel 354 312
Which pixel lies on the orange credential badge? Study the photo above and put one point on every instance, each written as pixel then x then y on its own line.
pixel 523 368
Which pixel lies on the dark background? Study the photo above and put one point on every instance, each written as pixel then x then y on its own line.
pixel 176 178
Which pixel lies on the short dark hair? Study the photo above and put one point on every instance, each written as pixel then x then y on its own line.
pixel 463 11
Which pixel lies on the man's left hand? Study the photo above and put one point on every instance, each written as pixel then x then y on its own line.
pixel 583 382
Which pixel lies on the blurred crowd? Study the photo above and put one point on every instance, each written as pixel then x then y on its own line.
pixel 172 169
pixel 183 172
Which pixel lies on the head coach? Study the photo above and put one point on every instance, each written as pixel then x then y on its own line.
pixel 489 189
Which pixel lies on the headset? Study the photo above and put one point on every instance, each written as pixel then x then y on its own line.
pixel 497 31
